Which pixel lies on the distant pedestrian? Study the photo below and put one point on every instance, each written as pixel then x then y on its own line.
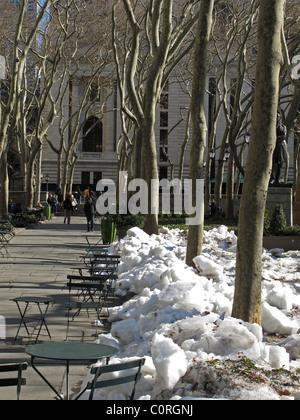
pixel 89 211
pixel 52 201
pixel 67 204
pixel 213 208
pixel 60 198
pixel 86 194
pixel 74 203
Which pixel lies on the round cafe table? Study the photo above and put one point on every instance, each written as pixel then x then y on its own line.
pixel 68 351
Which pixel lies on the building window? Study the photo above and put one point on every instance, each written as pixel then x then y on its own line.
pixel 97 176
pixel 163 146
pixel 164 119
pixel 92 136
pixel 85 178
pixel 163 172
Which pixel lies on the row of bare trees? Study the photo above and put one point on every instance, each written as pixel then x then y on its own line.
pixel 76 42
pixel 256 40
pixel 46 52
pixel 57 54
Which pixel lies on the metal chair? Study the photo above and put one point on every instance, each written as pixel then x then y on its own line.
pixel 133 375
pixel 12 381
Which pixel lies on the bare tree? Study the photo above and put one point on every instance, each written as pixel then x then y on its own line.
pixel 195 233
pixel 154 46
pixel 10 111
pixel 290 103
pixel 85 83
pixel 247 297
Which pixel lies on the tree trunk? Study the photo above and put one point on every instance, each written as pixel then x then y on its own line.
pixel 195 233
pixel 229 212
pixel 296 215
pixel 30 186
pixel 247 297
pixel 4 184
pixel 150 175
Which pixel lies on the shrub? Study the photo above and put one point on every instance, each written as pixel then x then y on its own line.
pixel 278 221
pixel 267 223
pixel 127 221
pixel 291 231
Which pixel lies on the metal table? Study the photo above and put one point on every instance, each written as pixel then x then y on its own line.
pixel 68 351
pixel 37 301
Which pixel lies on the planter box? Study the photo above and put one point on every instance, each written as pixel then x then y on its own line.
pixel 288 243
pixel 108 231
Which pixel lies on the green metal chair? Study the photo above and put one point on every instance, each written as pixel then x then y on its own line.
pixel 12 381
pixel 133 375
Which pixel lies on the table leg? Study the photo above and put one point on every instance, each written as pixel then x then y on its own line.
pixel 22 314
pixel 43 321
pixel 44 379
pixel 4 246
pixel 67 381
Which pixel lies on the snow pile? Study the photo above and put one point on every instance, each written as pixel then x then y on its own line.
pixel 179 317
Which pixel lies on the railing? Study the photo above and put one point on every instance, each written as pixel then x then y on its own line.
pixel 86 155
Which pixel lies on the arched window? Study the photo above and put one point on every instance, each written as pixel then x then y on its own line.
pixel 92 135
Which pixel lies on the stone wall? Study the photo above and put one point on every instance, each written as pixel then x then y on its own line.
pixel 281 195
pixel 276 195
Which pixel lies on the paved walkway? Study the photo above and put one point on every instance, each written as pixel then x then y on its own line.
pixel 40 260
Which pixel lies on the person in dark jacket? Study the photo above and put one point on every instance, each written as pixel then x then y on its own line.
pixel 213 208
pixel 89 211
pixel 67 204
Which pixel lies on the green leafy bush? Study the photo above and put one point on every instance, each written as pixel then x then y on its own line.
pixel 127 221
pixel 24 220
pixel 267 223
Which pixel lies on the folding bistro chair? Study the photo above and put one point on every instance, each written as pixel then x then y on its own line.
pixel 106 260
pixel 93 291
pixel 5 238
pixel 12 381
pixel 93 286
pixel 132 374
pixel 95 270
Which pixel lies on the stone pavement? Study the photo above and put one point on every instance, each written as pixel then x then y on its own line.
pixel 40 259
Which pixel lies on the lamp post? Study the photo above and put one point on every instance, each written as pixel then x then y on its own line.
pixel 212 154
pixel 226 154
pixel 247 138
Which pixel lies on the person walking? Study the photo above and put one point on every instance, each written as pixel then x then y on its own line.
pixel 53 203
pixel 213 208
pixel 67 204
pixel 89 211
pixel 86 194
pixel 74 203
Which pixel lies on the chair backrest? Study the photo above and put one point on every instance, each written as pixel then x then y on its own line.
pixel 13 381
pixel 131 376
